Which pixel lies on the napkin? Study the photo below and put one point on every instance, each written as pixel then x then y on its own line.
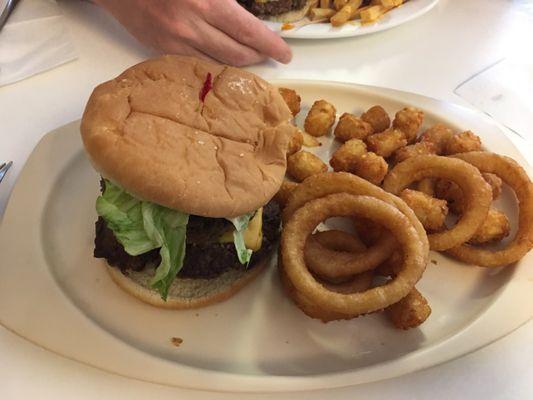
pixel 33 40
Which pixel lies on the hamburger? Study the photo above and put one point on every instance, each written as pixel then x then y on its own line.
pixel 279 10
pixel 190 154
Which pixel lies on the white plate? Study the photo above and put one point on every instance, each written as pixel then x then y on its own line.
pixel 55 294
pixel 405 13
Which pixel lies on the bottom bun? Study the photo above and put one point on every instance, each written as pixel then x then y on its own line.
pixel 185 292
pixel 295 15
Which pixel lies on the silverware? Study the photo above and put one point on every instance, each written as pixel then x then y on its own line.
pixel 3 169
pixel 6 12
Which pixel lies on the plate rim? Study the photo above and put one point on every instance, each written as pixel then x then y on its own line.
pixel 303 33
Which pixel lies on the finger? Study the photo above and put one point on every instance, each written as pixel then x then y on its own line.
pixel 241 25
pixel 220 46
pixel 175 47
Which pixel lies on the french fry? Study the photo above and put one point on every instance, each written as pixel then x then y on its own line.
pixel 303 22
pixel 338 4
pixel 386 3
pixel 391 3
pixel 373 13
pixel 360 10
pixel 346 13
pixel 325 3
pixel 320 13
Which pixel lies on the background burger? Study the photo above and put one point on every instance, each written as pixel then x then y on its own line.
pixel 279 10
pixel 190 155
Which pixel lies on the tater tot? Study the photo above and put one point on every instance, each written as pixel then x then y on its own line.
pixel 371 167
pixel 403 153
pixel 310 141
pixel 409 312
pixel 284 192
pixel 495 227
pixel 377 117
pixel 409 120
pixel 292 99
pixel 452 193
pixel 495 183
pixel 386 142
pixel 463 142
pixel 431 212
pixel 295 142
pixel 427 186
pixel 439 135
pixel 351 127
pixel 346 156
pixel 304 164
pixel 320 118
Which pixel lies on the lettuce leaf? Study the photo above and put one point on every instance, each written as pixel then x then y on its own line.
pixel 142 226
pixel 168 229
pixel 241 224
pixel 123 216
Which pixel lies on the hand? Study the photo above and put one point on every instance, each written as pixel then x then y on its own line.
pixel 212 29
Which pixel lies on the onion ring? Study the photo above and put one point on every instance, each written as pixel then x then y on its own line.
pixel 478 193
pixel 332 264
pixel 305 220
pixel 514 176
pixel 321 244
pixel 359 283
pixel 304 304
pixel 337 241
pixel 391 266
pixel 321 185
pixel 368 232
pixel 331 242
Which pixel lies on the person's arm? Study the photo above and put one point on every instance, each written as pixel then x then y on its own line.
pixel 216 29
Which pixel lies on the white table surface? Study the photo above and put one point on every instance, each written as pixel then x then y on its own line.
pixel 430 56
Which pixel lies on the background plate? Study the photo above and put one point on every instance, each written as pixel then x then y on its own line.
pixel 54 293
pixel 398 16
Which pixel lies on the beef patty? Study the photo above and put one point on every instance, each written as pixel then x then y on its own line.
pixel 205 257
pixel 272 7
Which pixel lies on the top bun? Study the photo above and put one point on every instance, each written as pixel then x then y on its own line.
pixel 149 131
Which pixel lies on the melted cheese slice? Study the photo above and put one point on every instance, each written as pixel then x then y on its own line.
pixel 253 235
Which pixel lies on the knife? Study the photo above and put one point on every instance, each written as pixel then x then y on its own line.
pixel 9 6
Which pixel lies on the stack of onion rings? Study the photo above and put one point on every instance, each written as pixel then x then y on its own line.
pixel 342 182
pixel 341 194
pixel 335 241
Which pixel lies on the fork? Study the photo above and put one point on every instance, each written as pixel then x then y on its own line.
pixel 4 168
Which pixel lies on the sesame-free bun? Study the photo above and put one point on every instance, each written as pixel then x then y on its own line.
pixel 185 292
pixel 148 131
